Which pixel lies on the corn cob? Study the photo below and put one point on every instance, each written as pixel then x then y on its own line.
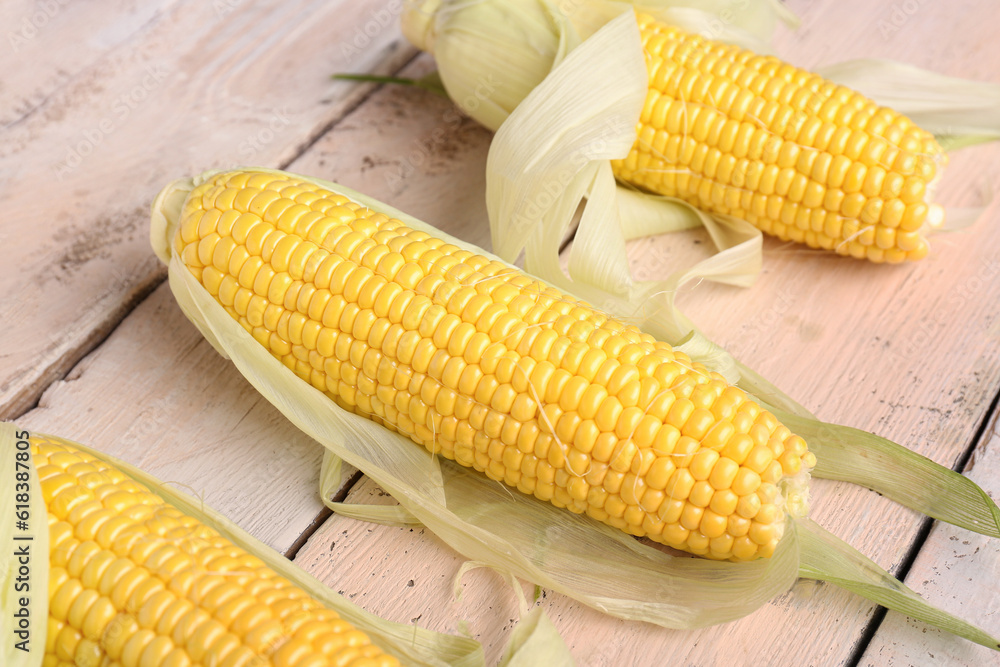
pixel 134 582
pixel 801 158
pixel 724 129
pixel 478 362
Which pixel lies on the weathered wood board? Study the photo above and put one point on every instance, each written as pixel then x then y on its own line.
pixel 149 97
pixel 101 105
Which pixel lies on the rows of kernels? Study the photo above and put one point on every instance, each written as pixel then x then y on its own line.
pixel 136 583
pixel 799 157
pixel 484 365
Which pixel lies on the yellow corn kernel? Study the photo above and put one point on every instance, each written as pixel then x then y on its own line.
pixel 822 143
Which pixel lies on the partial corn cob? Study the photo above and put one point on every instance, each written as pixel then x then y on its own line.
pixel 134 582
pixel 799 157
pixel 484 365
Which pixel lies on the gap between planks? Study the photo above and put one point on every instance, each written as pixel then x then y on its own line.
pixel 920 541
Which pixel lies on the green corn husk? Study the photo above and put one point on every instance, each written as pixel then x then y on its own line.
pixel 411 644
pixel 571 554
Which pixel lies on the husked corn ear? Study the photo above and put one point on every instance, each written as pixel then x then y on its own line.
pixel 134 582
pixel 799 157
pixel 487 366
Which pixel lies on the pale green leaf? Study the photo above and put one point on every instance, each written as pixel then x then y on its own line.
pixel 535 642
pixel 552 140
pixel 966 112
pixel 912 480
pixel 643 214
pixel 828 558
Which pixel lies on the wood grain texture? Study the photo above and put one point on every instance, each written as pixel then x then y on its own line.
pixel 43 39
pixel 199 85
pixel 413 150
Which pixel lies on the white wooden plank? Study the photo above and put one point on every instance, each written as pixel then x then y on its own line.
pixel 83 33
pixel 196 88
pixel 957 571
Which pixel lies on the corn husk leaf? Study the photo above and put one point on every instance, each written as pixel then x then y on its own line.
pixel 828 558
pixel 644 215
pixel 554 151
pixel 554 548
pixel 331 481
pixel 915 481
pixel 409 643
pixel 470 40
pixel 13 539
pixel 535 641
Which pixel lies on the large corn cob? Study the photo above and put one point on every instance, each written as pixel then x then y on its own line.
pixel 800 157
pixel 134 582
pixel 479 362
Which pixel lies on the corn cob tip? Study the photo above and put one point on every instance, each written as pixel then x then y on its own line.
pixel 417 23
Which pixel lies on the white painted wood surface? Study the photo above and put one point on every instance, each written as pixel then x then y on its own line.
pixel 909 352
pixel 130 105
